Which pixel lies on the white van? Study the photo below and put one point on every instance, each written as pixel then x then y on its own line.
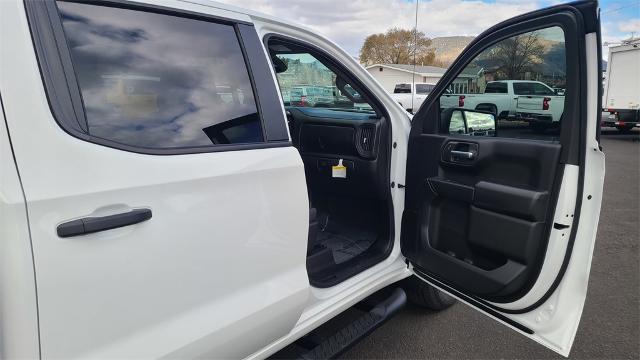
pixel 157 199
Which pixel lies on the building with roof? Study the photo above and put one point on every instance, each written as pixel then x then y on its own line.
pixel 391 74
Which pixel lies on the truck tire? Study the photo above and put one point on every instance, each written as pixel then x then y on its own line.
pixel 624 129
pixel 424 295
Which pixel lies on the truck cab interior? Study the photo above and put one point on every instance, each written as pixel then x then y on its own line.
pixel 332 119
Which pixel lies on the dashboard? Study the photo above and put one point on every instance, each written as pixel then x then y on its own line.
pixel 323 136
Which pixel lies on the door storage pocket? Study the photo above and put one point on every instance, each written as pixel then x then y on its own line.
pixel 514 238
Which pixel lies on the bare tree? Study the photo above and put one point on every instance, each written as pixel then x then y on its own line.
pixel 516 54
pixel 397 46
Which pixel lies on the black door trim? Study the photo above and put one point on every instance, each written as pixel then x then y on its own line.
pixel 487 308
pixel 586 22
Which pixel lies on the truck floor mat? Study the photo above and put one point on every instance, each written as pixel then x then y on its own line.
pixel 345 242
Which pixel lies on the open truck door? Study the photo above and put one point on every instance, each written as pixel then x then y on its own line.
pixel 499 216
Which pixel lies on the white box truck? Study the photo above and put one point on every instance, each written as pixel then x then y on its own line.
pixel 622 86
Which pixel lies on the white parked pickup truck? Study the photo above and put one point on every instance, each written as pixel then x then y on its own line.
pixel 159 200
pixel 411 96
pixel 531 101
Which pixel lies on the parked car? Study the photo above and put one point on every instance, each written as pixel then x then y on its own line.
pixel 559 91
pixel 339 100
pixel 174 218
pixel 312 96
pixel 411 96
pixel 622 88
pixel 286 97
pixel 531 101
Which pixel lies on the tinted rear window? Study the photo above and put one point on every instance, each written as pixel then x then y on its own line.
pixel 496 88
pixel 402 89
pixel 540 89
pixel 423 88
pixel 158 81
pixel 522 89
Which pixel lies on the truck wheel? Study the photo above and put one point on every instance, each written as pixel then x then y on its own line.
pixel 424 295
pixel 625 128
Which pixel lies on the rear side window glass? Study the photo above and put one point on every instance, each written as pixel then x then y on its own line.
pixel 402 89
pixel 423 88
pixel 522 89
pixel 540 89
pixel 157 81
pixel 496 88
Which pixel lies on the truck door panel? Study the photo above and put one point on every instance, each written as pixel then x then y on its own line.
pixel 502 221
pixel 502 213
pixel 224 195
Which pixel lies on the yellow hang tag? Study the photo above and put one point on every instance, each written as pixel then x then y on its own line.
pixel 339 171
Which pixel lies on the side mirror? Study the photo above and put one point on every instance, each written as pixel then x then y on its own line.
pixel 348 91
pixel 278 64
pixel 468 122
pixel 559 92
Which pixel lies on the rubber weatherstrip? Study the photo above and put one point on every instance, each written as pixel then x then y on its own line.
pixel 480 305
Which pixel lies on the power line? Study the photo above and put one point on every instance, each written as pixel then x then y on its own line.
pixel 415 50
pixel 620 8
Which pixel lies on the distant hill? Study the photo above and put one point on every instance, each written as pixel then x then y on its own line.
pixel 447 48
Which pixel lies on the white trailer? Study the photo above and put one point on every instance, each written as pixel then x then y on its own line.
pixel 622 86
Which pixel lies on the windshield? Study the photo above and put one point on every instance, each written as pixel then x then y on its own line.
pixel 307 82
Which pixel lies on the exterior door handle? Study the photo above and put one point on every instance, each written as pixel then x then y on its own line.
pixel 92 224
pixel 463 154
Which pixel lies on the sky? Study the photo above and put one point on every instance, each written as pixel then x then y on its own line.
pixel 349 22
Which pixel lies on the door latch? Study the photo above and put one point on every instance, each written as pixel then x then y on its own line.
pixel 460 152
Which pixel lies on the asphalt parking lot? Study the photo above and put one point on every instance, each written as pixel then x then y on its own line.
pixel 610 322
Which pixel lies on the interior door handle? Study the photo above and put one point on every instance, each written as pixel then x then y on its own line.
pixel 92 224
pixel 460 152
pixel 463 154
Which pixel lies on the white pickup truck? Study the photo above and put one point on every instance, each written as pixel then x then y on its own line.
pixel 158 199
pixel 411 96
pixel 531 101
